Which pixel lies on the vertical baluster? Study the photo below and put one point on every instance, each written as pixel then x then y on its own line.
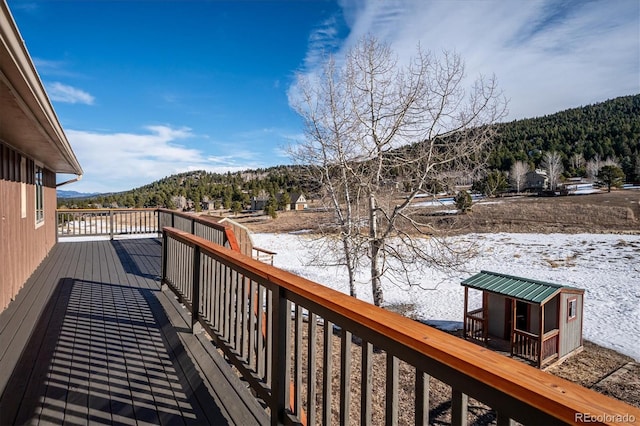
pixel 260 337
pixel 367 376
pixel 297 369
pixel 246 313
pixel 327 372
pixel 228 303
pixel 231 314
pixel 345 376
pixel 206 284
pixel 216 297
pixel 459 407
pixel 311 368
pixel 253 328
pixel 391 398
pixel 268 339
pixel 422 398
pixel 239 314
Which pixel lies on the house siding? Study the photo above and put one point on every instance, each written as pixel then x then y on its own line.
pixel 570 331
pixel 23 244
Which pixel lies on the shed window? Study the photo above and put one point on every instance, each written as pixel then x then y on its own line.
pixel 39 195
pixel 572 309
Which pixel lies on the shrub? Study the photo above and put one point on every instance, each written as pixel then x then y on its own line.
pixel 463 201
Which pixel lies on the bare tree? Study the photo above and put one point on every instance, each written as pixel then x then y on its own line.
pixel 596 163
pixel 577 161
pixel 373 123
pixel 518 174
pixel 552 164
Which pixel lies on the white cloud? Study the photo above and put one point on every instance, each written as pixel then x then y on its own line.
pixel 123 161
pixel 62 93
pixel 547 56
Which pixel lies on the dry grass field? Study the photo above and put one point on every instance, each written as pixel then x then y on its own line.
pixel 615 212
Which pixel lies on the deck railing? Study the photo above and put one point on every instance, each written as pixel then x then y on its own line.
pixel 278 329
pixel 118 222
pixel 106 222
pixel 550 343
pixel 474 326
pixel 530 347
pixel 525 345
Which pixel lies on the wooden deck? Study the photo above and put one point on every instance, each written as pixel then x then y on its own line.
pixel 92 339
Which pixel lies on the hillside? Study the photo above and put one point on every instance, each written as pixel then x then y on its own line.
pixel 607 129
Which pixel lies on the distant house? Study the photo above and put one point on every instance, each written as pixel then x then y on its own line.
pixel 298 201
pixel 536 180
pixel 259 202
pixel 33 148
pixel 540 321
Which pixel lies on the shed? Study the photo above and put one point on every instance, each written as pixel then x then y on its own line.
pixel 541 321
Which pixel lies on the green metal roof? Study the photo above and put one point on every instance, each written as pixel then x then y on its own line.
pixel 524 289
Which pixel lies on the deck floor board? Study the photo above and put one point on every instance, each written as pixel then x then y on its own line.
pixel 89 341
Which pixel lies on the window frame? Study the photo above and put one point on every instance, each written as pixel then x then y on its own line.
pixel 39 194
pixel 572 315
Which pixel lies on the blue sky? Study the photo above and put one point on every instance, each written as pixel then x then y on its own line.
pixel 145 89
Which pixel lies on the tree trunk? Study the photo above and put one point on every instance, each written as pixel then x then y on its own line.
pixel 376 288
pixel 350 267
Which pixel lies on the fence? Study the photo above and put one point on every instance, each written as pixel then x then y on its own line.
pixel 279 329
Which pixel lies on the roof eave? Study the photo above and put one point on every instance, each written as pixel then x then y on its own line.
pixel 19 75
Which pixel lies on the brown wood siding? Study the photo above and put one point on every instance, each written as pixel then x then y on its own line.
pixel 570 331
pixel 22 245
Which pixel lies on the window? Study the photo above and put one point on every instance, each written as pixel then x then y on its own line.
pixel 572 309
pixel 39 196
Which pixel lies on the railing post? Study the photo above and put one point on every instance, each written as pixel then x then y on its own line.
pixel 195 290
pixel 111 224
pixel 280 359
pixel 57 224
pixel 165 240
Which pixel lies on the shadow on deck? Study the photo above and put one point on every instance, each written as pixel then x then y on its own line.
pixel 92 339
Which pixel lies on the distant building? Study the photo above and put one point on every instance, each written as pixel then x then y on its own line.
pixel 536 180
pixel 259 202
pixel 298 201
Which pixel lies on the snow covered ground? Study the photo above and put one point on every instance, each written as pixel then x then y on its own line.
pixel 606 266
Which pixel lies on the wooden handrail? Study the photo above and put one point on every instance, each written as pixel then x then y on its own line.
pixel 549 334
pixel 525 333
pixel 199 219
pixel 544 392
